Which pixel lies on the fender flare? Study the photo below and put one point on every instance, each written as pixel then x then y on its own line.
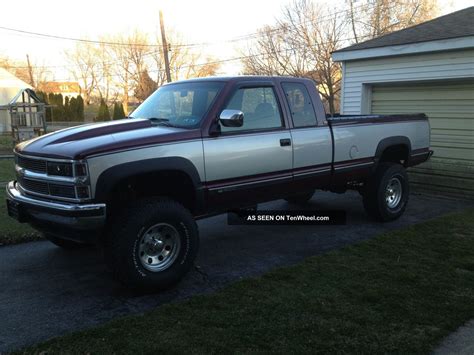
pixel 108 179
pixel 389 142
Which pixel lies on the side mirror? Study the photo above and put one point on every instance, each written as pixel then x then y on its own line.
pixel 231 118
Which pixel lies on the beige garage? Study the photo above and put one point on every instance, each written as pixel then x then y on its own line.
pixel 428 68
pixel 450 108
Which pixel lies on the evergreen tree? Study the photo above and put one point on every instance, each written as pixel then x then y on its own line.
pixel 67 111
pixel 145 86
pixel 44 98
pixel 118 111
pixel 104 114
pixel 80 108
pixel 73 109
pixel 56 100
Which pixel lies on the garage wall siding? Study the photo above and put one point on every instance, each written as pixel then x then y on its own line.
pixel 409 68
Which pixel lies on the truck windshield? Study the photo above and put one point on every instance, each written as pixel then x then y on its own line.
pixel 181 105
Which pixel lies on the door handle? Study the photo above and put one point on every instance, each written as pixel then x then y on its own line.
pixel 285 142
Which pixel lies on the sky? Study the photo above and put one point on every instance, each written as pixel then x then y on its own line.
pixel 197 21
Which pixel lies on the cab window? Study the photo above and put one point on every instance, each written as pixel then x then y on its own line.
pixel 260 108
pixel 301 105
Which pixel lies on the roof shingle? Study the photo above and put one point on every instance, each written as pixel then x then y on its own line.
pixel 453 25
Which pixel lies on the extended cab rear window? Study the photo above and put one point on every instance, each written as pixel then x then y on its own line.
pixel 301 105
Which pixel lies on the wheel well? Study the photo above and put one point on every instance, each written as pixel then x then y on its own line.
pixel 396 154
pixel 174 184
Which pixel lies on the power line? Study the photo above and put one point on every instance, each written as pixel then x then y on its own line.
pixel 76 39
pixel 240 38
pixel 202 44
pixel 233 59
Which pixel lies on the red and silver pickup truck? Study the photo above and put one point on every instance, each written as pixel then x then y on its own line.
pixel 201 147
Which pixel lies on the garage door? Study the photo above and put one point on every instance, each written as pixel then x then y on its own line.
pixel 450 108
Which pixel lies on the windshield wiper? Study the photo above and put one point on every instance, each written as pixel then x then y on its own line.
pixel 161 121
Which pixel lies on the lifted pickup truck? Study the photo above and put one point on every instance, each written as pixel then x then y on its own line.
pixel 201 147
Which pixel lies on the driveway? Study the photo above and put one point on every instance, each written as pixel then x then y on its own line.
pixel 46 292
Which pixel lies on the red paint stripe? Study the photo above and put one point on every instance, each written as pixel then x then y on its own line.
pixel 349 163
pixel 421 150
pixel 247 179
pixel 283 173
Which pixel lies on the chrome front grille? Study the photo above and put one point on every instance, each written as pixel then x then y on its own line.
pixel 38 187
pixel 36 165
pixel 47 188
pixel 53 178
pixel 62 190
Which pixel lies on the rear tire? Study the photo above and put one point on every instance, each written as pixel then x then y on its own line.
pixel 152 245
pixel 385 195
pixel 300 198
pixel 64 243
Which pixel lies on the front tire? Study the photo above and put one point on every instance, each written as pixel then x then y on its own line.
pixel 385 195
pixel 152 245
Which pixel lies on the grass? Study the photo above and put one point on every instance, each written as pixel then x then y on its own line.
pixel 6 144
pixel 11 232
pixel 402 292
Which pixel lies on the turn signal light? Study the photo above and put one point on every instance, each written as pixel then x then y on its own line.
pixel 82 192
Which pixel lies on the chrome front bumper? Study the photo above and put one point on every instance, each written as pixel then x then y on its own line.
pixel 41 212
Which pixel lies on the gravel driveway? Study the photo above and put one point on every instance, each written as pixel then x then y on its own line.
pixel 46 292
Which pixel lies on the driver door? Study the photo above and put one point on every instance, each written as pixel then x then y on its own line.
pixel 251 163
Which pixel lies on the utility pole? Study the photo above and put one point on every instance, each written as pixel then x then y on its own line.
pixel 165 48
pixel 30 71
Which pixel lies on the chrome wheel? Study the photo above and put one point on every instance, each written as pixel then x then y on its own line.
pixel 159 247
pixel 393 192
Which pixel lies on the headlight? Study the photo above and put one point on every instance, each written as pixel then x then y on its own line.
pixel 60 169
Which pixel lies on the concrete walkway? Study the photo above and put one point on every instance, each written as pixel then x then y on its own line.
pixel 461 342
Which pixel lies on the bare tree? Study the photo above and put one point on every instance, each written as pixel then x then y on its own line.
pixel 127 62
pixel 85 67
pixel 319 31
pixel 374 18
pixel 306 33
pixel 39 72
pixel 104 74
pixel 275 52
pixel 127 65
pixel 301 45
pixel 184 61
pixel 209 67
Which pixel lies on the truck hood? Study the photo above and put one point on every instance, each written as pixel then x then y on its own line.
pixel 98 138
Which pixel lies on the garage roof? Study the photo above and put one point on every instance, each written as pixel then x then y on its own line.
pixel 454 25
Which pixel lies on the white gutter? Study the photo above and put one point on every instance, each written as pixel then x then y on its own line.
pixel 412 48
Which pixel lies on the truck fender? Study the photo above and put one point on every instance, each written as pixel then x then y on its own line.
pixel 389 142
pixel 110 177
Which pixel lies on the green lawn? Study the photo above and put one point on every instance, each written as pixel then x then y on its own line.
pixel 6 144
pixel 402 292
pixel 11 232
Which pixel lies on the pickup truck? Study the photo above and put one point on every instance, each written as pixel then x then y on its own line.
pixel 201 147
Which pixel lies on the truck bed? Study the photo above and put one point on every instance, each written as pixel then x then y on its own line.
pixel 361 138
pixel 349 119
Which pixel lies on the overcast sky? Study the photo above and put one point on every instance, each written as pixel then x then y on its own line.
pixel 197 20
